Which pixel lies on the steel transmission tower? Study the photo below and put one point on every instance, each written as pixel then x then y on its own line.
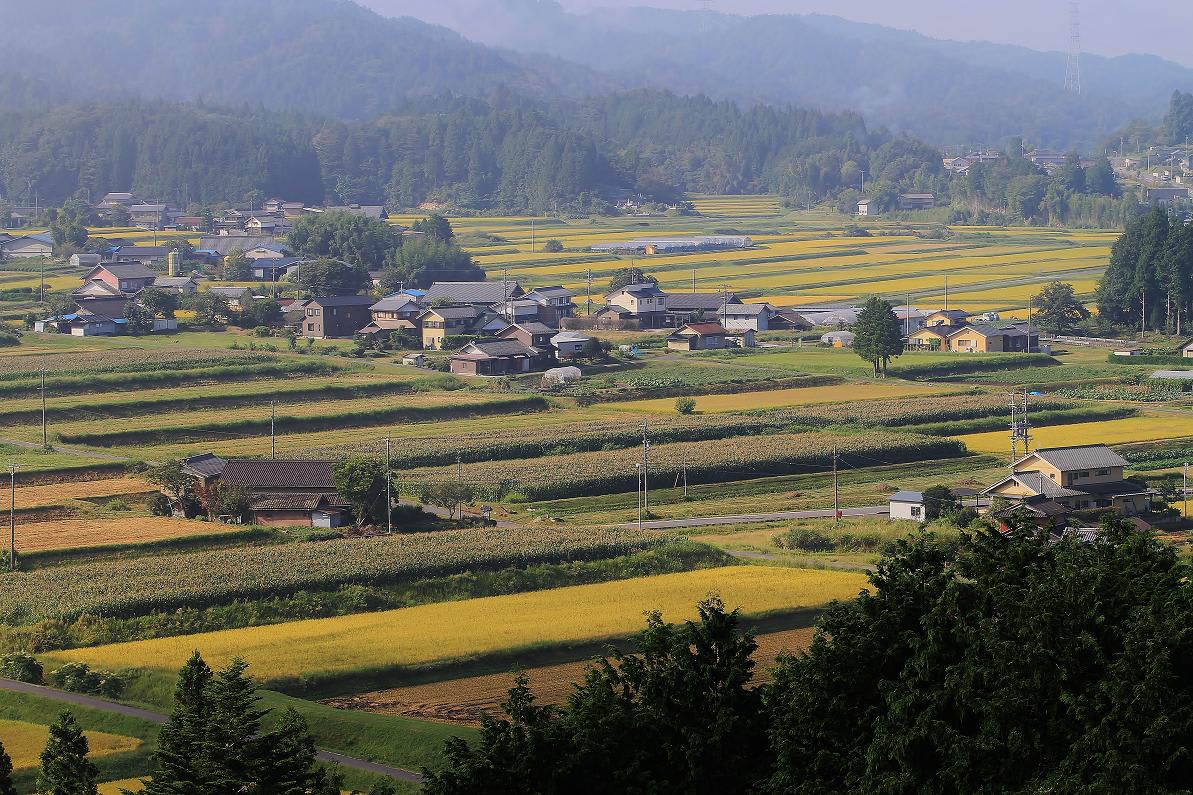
pixel 1073 63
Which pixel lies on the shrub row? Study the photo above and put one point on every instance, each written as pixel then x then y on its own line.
pixel 661 387
pixel 1150 360
pixel 1038 418
pixel 295 424
pixel 960 364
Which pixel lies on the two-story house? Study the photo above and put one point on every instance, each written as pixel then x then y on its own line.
pixel 480 294
pixel 335 316
pixel 1053 482
pixel 398 312
pixel 643 303
pixel 445 321
pixel 555 303
pixel 128 278
pixel 532 334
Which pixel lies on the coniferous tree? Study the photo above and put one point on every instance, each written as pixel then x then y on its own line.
pixel 6 785
pixel 235 744
pixel 180 763
pixel 878 334
pixel 65 768
pixel 288 759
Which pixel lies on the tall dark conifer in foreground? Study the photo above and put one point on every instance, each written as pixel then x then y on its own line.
pixel 180 764
pixel 6 786
pixel 65 769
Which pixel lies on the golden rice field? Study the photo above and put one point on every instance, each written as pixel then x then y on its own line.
pixel 778 398
pixel 1144 428
pixel 24 742
pixel 55 493
pixel 77 533
pixel 118 787
pixel 466 699
pixel 455 630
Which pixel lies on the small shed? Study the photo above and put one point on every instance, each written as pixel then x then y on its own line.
pixel 838 339
pixel 414 359
pixel 327 517
pixel 907 505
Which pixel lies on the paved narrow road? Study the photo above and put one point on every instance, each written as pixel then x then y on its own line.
pixel 753 518
pixel 92 702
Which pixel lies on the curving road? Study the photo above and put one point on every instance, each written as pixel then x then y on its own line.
pixel 79 699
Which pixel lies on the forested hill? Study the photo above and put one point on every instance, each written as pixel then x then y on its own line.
pixel 509 153
pixel 948 93
pixel 327 57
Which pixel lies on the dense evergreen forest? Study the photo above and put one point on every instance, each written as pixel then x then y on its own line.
pixel 1149 281
pixel 509 153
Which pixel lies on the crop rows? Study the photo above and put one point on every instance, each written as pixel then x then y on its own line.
pixel 740 458
pixel 122 360
pixel 260 423
pixel 123 588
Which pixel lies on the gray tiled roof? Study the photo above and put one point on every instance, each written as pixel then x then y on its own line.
pixel 205 465
pixel 1090 456
pixel 394 303
pixel 268 473
pixel 501 348
pixel 745 309
pixel 907 496
pixel 473 292
pixel 226 244
pixel 130 270
pixel 454 312
pixel 691 302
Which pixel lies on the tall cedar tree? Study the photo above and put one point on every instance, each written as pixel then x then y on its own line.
pixel 878 334
pixel 677 716
pixel 65 769
pixel 180 764
pixel 6 785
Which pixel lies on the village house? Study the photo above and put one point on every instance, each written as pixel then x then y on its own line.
pixel 397 312
pixel 87 261
pixel 27 246
pixel 946 317
pixel 643 303
pixel 1053 482
pixel 906 505
pixel 497 357
pixel 128 278
pixel 146 254
pixel 994 338
pixel 445 321
pixel 480 294
pixel 125 200
pixel 917 201
pixel 569 344
pixel 708 337
pixel 684 308
pixel 532 334
pixel 260 226
pixel 866 208
pixel 929 338
pixel 274 269
pixel 742 317
pixel 237 297
pixel 555 303
pixel 179 285
pixel 281 493
pixel 223 245
pixel 375 211
pixel 336 317
pixel 518 310
pixel 148 216
pixel 267 251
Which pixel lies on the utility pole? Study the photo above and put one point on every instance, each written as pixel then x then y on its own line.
pixel 45 437
pixel 531 235
pixel 946 292
pixel 645 468
pixel 12 517
pixel 389 496
pixel 459 469
pixel 273 424
pixel 685 475
pixel 836 493
pixel 638 467
pixel 693 281
pixel 907 315
pixel 589 293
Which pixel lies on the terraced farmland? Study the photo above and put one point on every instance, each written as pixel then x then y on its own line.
pixel 451 630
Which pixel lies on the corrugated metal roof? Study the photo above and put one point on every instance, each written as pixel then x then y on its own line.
pixel 908 496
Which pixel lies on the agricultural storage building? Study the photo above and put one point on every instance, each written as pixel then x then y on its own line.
pixel 907 505
pixel 838 339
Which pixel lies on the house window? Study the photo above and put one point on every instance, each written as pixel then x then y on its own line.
pixel 1103 472
pixel 313 313
pixel 310 326
pixel 916 511
pixel 1083 474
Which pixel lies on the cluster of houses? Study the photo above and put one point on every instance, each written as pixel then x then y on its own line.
pixel 274 217
pixel 958 331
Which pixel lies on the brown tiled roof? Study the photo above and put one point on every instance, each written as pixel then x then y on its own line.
pixel 268 473
pixel 294 502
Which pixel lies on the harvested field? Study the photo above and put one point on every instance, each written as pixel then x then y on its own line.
pixel 24 742
pixel 56 493
pixel 466 700
pixel 806 396
pixel 1146 428
pixel 76 533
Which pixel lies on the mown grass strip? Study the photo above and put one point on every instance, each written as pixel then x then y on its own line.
pixel 285 424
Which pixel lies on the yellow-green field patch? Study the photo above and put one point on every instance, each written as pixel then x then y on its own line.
pixel 24 742
pixel 778 398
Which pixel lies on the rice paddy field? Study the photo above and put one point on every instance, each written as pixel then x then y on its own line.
pixel 24 742
pixel 1146 428
pixel 453 630
pixel 80 533
pixel 749 401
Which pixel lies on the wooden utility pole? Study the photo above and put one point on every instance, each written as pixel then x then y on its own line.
pixel 389 498
pixel 836 493
pixel 12 517
pixel 273 422
pixel 645 468
pixel 45 436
